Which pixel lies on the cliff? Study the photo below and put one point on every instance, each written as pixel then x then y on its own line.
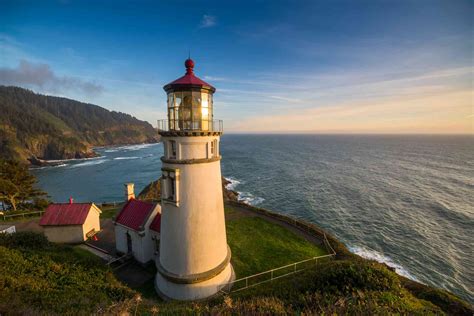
pixel 36 127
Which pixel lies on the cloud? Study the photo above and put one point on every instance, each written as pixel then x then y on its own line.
pixel 41 76
pixel 208 21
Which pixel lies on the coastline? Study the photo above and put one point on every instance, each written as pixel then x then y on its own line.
pixel 343 251
pixel 37 163
pixel 447 301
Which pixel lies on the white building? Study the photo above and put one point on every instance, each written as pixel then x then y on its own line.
pixel 70 222
pixel 137 227
pixel 194 258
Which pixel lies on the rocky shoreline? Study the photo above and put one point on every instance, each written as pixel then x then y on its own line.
pixel 91 154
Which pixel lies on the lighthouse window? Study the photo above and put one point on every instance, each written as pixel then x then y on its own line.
pixel 213 148
pixel 172 149
pixel 172 193
pixel 170 186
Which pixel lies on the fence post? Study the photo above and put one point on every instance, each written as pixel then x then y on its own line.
pixel 246 282
pixel 271 276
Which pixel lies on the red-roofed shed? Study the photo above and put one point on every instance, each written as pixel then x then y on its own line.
pixel 134 214
pixel 134 229
pixel 70 222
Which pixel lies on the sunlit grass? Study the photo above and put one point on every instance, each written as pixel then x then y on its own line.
pixel 258 245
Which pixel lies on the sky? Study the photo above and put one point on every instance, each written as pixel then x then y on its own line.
pixel 278 66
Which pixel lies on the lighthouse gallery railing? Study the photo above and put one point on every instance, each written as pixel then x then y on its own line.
pixel 191 125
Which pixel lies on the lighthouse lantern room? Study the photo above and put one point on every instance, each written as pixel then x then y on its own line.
pixel 194 258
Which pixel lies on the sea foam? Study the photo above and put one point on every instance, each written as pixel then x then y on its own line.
pixel 371 254
pixel 245 197
pixel 89 163
pixel 126 158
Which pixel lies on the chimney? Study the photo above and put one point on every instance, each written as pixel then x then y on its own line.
pixel 129 191
pixel 71 200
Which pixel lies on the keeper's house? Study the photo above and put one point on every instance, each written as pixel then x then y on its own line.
pixel 137 228
pixel 70 223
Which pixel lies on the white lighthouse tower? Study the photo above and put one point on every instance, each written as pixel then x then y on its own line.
pixel 194 258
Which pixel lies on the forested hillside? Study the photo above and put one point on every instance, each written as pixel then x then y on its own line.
pixel 35 126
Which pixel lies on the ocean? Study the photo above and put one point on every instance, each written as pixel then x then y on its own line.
pixel 407 201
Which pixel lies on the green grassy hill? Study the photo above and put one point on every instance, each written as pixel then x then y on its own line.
pixel 37 277
pixel 47 127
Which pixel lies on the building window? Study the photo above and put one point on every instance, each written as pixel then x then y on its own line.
pixel 170 185
pixel 213 148
pixel 172 149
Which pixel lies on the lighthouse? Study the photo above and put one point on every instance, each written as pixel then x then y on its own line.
pixel 194 258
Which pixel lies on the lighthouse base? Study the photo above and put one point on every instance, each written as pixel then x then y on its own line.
pixel 169 290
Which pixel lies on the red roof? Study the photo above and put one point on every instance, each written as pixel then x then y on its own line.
pixel 189 79
pixel 65 214
pixel 156 224
pixel 134 214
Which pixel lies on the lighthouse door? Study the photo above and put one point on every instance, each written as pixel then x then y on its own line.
pixel 129 243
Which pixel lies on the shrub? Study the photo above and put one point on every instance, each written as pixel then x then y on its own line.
pixel 347 276
pixel 24 241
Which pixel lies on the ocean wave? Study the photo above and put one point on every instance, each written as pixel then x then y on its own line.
pixel 371 254
pixel 126 158
pixel 249 198
pixel 89 163
pixel 50 166
pixel 73 159
pixel 245 197
pixel 232 183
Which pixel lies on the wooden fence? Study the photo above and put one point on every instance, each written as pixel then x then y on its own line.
pixel 6 217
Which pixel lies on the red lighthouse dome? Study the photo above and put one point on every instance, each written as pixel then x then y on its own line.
pixel 188 81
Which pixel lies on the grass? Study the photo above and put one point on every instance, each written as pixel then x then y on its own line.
pixel 38 277
pixel 110 211
pixel 258 245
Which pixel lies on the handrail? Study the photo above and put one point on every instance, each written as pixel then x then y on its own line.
pixel 228 287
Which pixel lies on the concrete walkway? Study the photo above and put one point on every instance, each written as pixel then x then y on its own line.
pixel 96 252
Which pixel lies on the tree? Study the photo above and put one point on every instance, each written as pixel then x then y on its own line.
pixel 17 184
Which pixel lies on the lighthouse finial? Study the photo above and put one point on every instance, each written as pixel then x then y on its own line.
pixel 189 64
